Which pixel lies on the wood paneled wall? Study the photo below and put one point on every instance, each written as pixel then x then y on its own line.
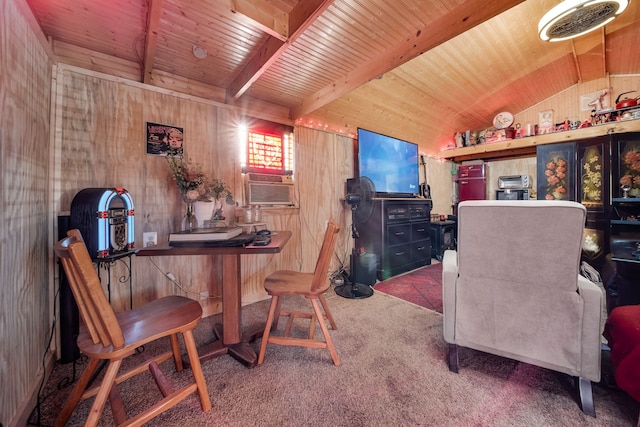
pixel 566 104
pixel 25 91
pixel 101 141
pixel 94 135
pixel 440 180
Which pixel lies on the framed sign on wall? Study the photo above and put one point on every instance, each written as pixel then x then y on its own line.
pixel 164 138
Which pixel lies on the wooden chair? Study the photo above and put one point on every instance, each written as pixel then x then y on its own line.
pixel 110 337
pixel 312 286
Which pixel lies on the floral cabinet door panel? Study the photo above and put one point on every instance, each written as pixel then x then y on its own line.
pixel 593 174
pixel 627 166
pixel 555 165
pixel 593 184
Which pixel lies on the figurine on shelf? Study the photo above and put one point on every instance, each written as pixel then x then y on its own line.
pixel 625 190
pixel 588 121
pixel 459 139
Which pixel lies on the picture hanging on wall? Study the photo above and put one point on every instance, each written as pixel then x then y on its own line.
pixel 164 138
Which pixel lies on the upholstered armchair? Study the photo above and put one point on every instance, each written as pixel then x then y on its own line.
pixel 512 289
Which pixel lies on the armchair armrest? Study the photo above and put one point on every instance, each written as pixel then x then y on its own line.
pixel 593 299
pixel 449 278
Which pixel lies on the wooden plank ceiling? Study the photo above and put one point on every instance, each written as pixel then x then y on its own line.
pixel 415 69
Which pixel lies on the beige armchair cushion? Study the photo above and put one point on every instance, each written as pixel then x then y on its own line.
pixel 513 289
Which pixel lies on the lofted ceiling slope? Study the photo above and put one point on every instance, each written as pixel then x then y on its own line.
pixel 415 69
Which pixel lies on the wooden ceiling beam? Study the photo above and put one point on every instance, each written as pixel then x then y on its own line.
pixel 432 34
pixel 575 60
pixel 151 42
pixel 267 17
pixel 300 18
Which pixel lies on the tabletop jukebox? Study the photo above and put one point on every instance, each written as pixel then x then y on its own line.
pixel 104 217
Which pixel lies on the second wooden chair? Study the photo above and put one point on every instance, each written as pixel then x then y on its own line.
pixel 310 285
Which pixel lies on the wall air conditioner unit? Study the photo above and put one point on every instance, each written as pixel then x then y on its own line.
pixel 263 189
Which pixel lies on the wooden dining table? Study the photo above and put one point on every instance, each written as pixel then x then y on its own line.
pixel 229 337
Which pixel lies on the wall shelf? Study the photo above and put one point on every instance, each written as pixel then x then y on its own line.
pixel 526 147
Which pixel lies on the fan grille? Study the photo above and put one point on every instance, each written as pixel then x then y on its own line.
pixel 366 189
pixel 582 19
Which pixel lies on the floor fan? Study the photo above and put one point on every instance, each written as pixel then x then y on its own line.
pixel 359 197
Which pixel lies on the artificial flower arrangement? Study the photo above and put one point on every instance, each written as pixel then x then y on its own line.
pixel 195 185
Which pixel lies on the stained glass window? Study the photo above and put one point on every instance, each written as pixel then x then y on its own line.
pixel 269 152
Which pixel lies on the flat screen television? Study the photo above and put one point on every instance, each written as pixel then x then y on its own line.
pixel 391 163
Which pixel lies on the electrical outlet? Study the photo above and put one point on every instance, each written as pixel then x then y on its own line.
pixel 171 276
pixel 204 294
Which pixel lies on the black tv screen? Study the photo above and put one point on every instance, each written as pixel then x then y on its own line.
pixel 391 163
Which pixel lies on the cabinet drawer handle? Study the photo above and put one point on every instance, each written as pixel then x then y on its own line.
pixel 421 230
pixel 421 248
pixel 399 253
pixel 399 233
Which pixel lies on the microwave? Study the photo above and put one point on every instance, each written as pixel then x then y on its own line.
pixel 512 194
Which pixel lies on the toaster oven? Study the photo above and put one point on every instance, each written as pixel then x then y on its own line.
pixel 513 181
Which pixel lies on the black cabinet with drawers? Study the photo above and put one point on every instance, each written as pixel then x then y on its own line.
pixel 442 238
pixel 398 233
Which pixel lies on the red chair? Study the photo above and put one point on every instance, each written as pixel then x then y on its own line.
pixel 622 331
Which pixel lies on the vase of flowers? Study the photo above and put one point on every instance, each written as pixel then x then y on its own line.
pixel 195 185
pixel 190 221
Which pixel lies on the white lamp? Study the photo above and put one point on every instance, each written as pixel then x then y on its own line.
pixel 573 18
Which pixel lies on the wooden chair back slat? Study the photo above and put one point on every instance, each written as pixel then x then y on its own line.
pixel 87 315
pixel 92 302
pixel 103 340
pixel 324 258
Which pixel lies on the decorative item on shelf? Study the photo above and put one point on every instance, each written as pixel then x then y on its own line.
pixel 482 136
pixel 519 130
pixel 626 102
pixel 195 186
pixel 459 139
pixel 473 137
pixel 497 135
pixel 600 100
pixel 503 120
pixel 529 129
pixel 545 122
pixel 630 170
